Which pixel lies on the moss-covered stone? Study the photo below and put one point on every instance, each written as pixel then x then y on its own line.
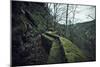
pixel 72 52
pixel 63 50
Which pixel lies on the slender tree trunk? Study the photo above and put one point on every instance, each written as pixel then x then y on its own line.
pixel 72 22
pixel 74 13
pixel 55 15
pixel 66 26
pixel 54 19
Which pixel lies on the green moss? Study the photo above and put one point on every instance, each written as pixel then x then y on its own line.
pixel 54 55
pixel 72 52
pixel 48 37
pixel 63 49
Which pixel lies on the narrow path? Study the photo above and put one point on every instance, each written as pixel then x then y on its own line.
pixel 56 54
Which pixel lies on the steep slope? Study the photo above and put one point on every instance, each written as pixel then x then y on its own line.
pixel 84 36
pixel 63 50
pixel 72 52
pixel 28 22
pixel 56 54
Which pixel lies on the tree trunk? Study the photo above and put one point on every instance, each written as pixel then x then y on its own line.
pixel 66 26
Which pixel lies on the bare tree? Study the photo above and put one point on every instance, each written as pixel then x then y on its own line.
pixel 70 10
pixel 74 12
pixel 66 29
pixel 55 11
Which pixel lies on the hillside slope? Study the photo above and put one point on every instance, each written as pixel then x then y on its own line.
pixel 63 50
pixel 84 36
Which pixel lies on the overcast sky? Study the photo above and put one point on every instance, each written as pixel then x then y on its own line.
pixel 81 15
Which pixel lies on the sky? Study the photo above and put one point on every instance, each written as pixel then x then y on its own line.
pixel 83 13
